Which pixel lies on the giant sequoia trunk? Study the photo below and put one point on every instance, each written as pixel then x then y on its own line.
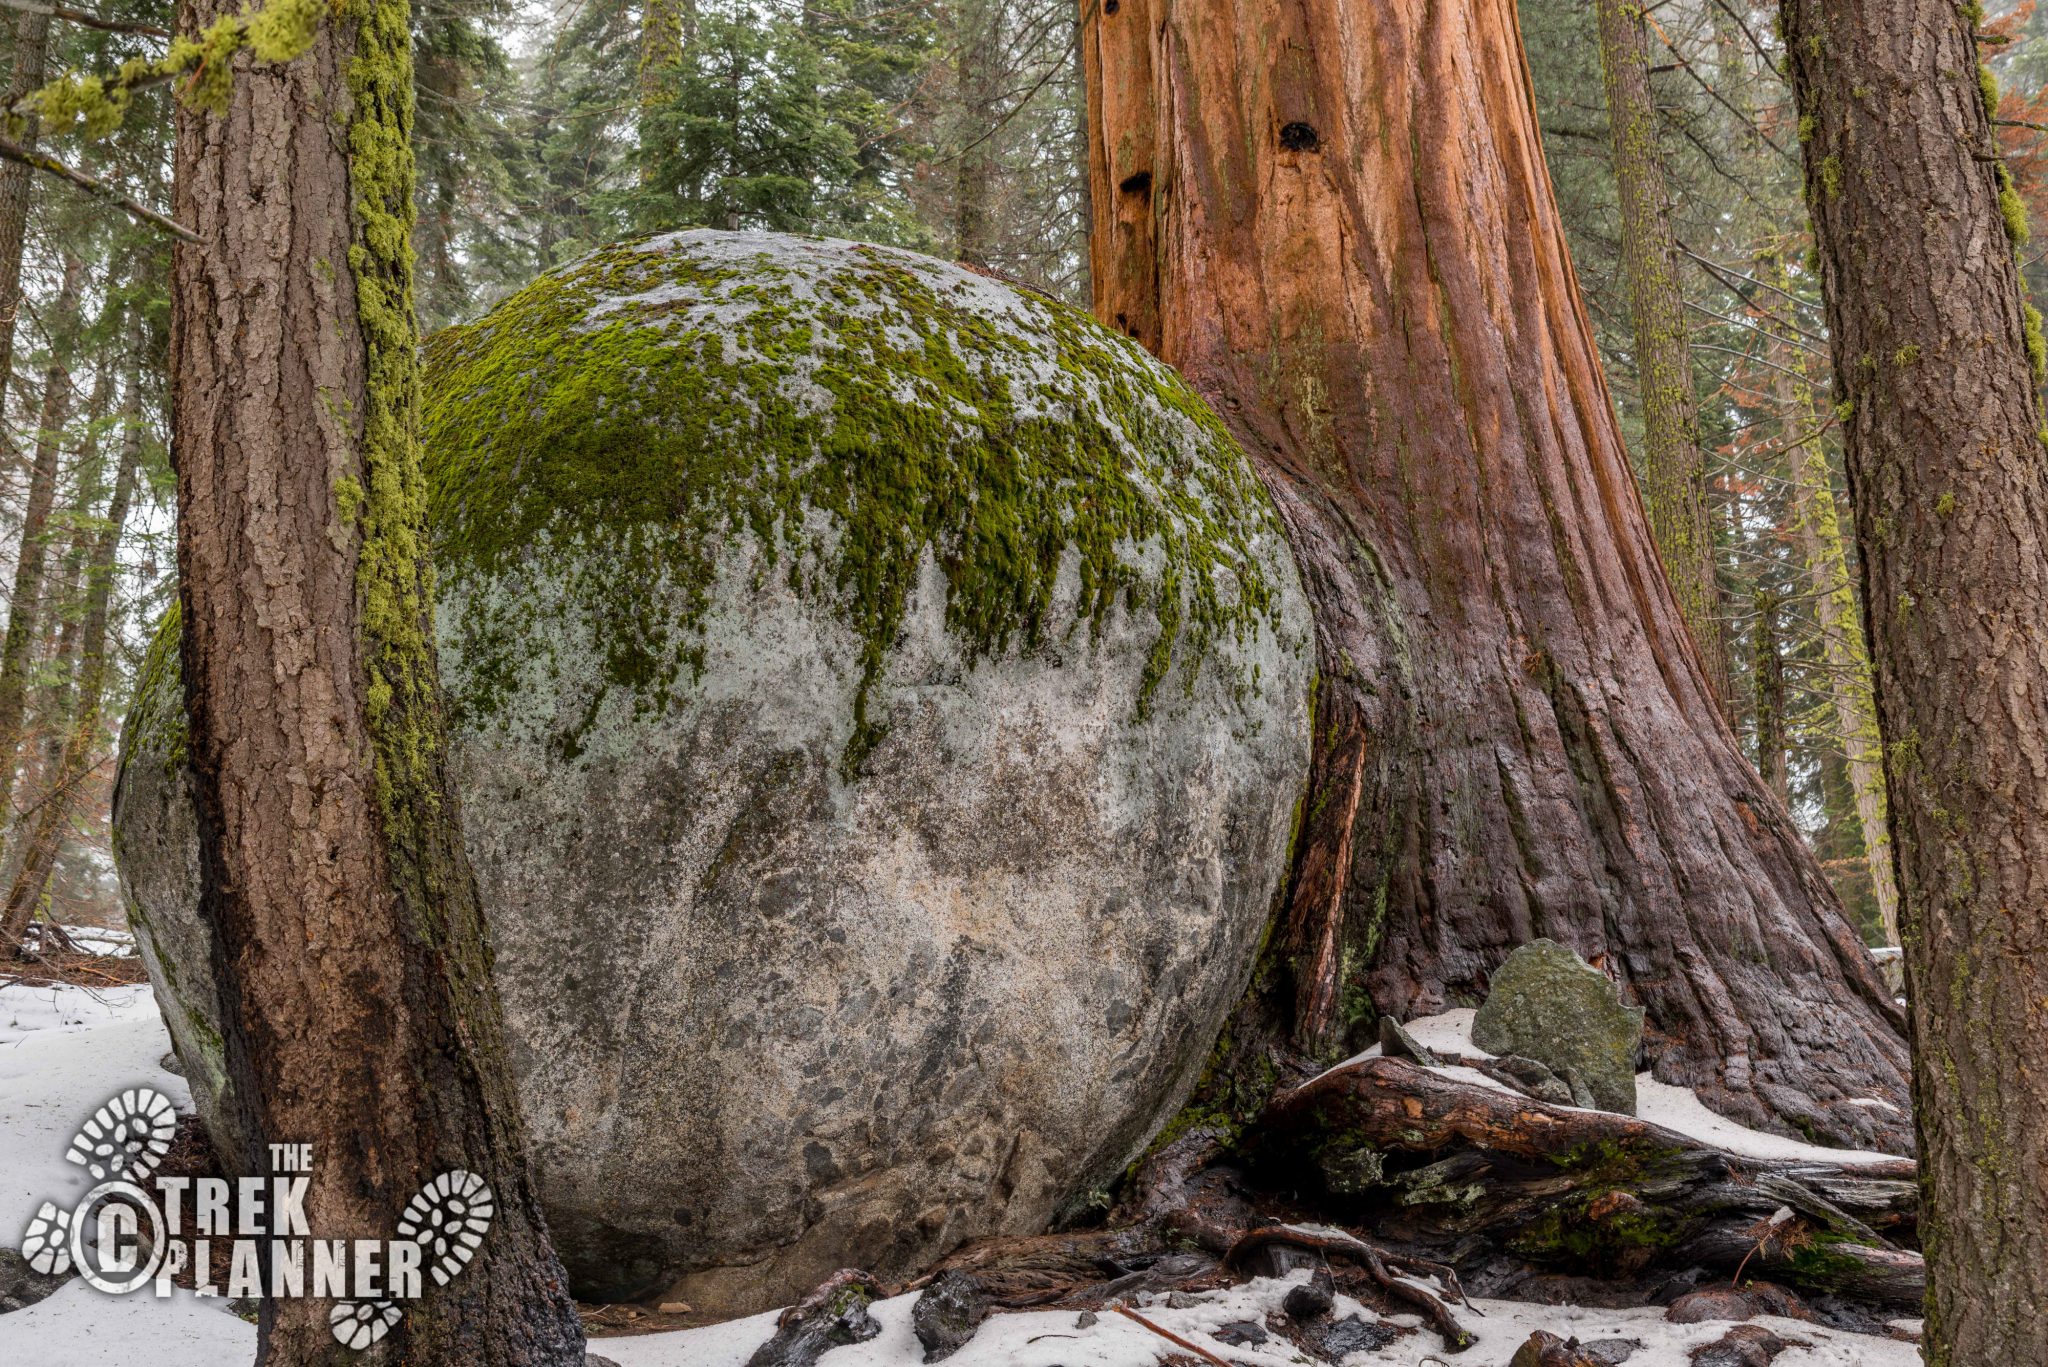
pixel 1944 426
pixel 1334 216
pixel 358 1009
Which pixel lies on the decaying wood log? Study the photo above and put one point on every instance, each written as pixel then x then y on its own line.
pixel 1430 1161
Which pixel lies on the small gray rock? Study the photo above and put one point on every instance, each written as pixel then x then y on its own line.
pixel 1313 1298
pixel 1582 1095
pixel 169 1063
pixel 1239 1333
pixel 593 1360
pixel 948 1313
pixel 1531 1078
pixel 1613 1352
pixel 1395 1042
pixel 1354 1335
pixel 1086 1319
pixel 1550 1005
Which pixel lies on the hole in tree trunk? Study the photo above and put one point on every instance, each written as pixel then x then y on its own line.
pixel 1140 184
pixel 1299 137
pixel 1111 6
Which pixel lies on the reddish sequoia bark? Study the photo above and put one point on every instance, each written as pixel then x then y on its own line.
pixel 1335 218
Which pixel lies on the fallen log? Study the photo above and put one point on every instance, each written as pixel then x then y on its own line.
pixel 1434 1162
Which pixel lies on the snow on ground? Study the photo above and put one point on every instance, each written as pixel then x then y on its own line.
pixel 1053 1338
pixel 1660 1103
pixel 64 1050
pixel 76 1326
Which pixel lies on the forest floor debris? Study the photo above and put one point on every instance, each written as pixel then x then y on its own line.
pixel 65 1048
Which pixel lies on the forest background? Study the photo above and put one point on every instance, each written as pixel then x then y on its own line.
pixel 953 127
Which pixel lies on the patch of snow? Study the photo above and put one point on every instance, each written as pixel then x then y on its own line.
pixel 1677 1108
pixel 1660 1103
pixel 76 1326
pixel 117 942
pixel 1054 1338
pixel 63 1051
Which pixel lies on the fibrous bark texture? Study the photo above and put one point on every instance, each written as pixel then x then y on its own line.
pixel 1821 551
pixel 1931 333
pixel 358 1011
pixel 1674 467
pixel 1335 219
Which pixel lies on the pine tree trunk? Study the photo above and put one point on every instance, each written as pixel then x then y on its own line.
pixel 1931 332
pixel 1335 218
pixel 31 63
pixel 1768 674
pixel 43 833
pixel 1819 533
pixel 31 561
pixel 358 1008
pixel 49 711
pixel 662 41
pixel 974 167
pixel 1674 484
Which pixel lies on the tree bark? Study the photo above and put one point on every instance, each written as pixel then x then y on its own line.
pixel 974 61
pixel 359 1014
pixel 1819 534
pixel 1674 483
pixel 1335 219
pixel 31 561
pixel 42 833
pixel 1931 332
pixel 665 32
pixel 1768 676
pixel 31 69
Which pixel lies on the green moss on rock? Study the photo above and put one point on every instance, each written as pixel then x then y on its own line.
pixel 850 411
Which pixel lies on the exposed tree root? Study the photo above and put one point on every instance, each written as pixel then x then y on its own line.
pixel 1390 1272
pixel 1436 1162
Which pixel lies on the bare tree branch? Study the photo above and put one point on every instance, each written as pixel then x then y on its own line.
pixel 11 150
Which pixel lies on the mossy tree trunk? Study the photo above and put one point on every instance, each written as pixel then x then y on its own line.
pixel 1767 674
pixel 1918 225
pixel 666 30
pixel 1674 482
pixel 32 558
pixel 1335 219
pixel 976 50
pixel 1818 532
pixel 358 1007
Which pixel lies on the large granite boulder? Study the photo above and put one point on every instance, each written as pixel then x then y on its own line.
pixel 1546 1003
pixel 880 708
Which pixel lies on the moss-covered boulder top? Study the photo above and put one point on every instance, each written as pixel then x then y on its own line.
pixel 655 397
pixel 881 718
